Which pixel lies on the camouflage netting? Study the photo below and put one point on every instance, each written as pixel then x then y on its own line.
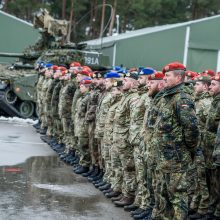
pixel 6 73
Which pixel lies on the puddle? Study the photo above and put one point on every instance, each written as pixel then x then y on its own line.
pixel 46 188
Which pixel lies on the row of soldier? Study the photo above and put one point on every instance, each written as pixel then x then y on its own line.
pixel 148 139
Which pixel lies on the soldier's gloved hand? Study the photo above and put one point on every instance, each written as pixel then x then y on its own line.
pixel 216 157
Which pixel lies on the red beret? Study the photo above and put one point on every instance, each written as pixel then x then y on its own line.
pixel 85 72
pixel 87 68
pixel 216 77
pixel 191 74
pixel 75 64
pixel 156 76
pixel 208 72
pixel 85 81
pixel 173 66
pixel 54 67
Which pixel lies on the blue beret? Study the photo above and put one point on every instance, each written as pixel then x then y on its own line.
pixel 116 68
pixel 140 68
pixel 122 71
pixel 48 65
pixel 112 74
pixel 147 71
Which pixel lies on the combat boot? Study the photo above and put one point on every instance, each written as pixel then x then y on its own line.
pixel 137 211
pixel 37 126
pixel 105 187
pixel 107 190
pixel 90 171
pixel 196 216
pixel 112 194
pixel 98 177
pixel 94 173
pixel 101 183
pixel 117 198
pixel 81 170
pixel 43 131
pixel 131 207
pixel 144 214
pixel 124 201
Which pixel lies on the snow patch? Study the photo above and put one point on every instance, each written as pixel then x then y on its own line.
pixel 18 120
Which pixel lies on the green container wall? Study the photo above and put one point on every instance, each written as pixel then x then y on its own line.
pixel 154 49
pixel 15 35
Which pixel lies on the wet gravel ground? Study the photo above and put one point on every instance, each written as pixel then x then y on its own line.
pixel 35 184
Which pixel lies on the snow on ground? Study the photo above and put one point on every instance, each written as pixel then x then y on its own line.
pixel 18 120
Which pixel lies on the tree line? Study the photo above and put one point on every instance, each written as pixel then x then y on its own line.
pixel 90 19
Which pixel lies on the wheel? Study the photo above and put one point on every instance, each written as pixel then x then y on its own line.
pixel 26 109
pixel 10 97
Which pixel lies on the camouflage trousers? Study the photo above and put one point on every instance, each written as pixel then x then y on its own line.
pixel 200 199
pixel 116 167
pixel 141 191
pixel 106 154
pixel 125 152
pixel 58 129
pixel 93 145
pixel 83 148
pixel 49 125
pixel 217 182
pixel 100 158
pixel 213 181
pixel 174 195
pixel 66 124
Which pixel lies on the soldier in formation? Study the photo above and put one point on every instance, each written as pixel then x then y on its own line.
pixel 149 140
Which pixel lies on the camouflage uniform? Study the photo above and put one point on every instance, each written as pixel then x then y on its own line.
pixel 153 198
pixel 211 127
pixel 76 96
pixel 65 103
pixel 48 107
pixel 43 95
pixel 39 101
pixel 91 120
pixel 176 136
pixel 136 140
pixel 114 161
pixel 216 153
pixel 81 130
pixel 102 110
pixel 121 143
pixel 198 185
pixel 54 103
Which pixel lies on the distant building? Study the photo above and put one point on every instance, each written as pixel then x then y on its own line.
pixel 195 43
pixel 15 35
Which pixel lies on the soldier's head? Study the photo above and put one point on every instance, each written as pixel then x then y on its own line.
pixel 75 67
pixel 174 74
pixel 85 85
pixel 98 78
pixel 214 88
pixel 130 80
pixel 190 75
pixel 110 78
pixel 202 84
pixel 82 74
pixel 117 88
pixel 156 83
pixel 143 75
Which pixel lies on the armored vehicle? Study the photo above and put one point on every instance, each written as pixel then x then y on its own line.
pixel 18 81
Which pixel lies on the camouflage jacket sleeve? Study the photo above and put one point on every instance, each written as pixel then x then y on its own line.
pixel 187 118
pixel 92 105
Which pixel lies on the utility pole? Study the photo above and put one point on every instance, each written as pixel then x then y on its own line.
pixel 70 21
pixel 113 17
pixel 102 19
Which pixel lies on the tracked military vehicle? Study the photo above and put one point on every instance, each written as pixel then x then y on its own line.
pixel 18 81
